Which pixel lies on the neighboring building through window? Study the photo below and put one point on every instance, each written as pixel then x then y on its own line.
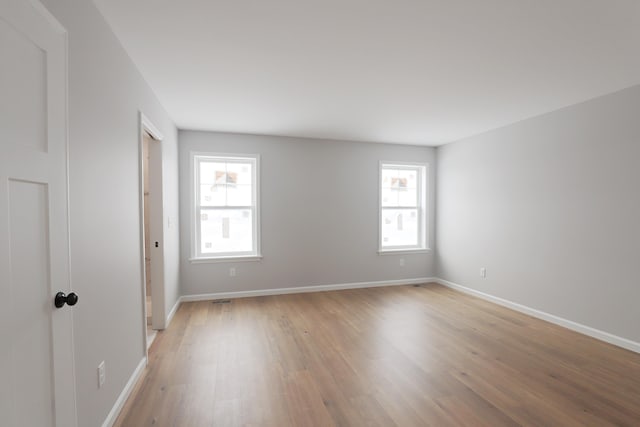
pixel 226 212
pixel 403 203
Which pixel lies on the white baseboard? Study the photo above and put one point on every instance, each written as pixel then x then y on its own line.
pixel 172 312
pixel 574 326
pixel 304 289
pixel 128 388
pixel 569 324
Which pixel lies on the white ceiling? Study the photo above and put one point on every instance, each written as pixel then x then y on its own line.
pixel 406 71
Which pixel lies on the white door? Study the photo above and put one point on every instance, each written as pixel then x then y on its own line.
pixel 37 385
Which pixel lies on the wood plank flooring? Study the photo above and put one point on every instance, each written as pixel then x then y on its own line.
pixel 404 355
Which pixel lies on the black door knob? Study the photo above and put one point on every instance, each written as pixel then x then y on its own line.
pixel 61 299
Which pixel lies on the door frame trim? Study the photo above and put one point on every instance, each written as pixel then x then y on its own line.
pixel 146 125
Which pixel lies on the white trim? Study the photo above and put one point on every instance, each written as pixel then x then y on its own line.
pixel 158 291
pixel 150 127
pixel 126 392
pixel 150 341
pixel 243 258
pixel 173 312
pixel 422 169
pixel 143 273
pixel 577 327
pixel 51 19
pixel 404 251
pixel 569 324
pixel 45 12
pixel 304 289
pixel 194 165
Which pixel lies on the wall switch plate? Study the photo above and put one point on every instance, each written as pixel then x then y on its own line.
pixel 401 262
pixel 102 376
pixel 232 272
pixel 483 273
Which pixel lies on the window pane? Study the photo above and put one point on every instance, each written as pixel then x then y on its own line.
pixel 399 227
pixel 389 176
pixel 407 196
pixel 408 178
pixel 226 230
pixel 389 197
pixel 240 173
pixel 396 179
pixel 399 187
pixel 238 195
pixel 226 184
pixel 209 170
pixel 212 195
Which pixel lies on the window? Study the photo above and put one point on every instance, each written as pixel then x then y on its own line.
pixel 226 215
pixel 403 206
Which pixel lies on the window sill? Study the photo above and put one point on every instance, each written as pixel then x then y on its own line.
pixel 243 258
pixel 403 251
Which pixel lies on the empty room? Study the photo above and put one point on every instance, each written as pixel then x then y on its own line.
pixel 320 213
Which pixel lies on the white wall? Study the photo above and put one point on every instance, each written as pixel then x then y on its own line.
pixel 319 214
pixel 551 207
pixel 105 93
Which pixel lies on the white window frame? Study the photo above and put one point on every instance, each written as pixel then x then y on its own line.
pixel 422 206
pixel 196 255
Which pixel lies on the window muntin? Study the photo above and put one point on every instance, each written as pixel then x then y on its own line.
pixel 402 206
pixel 226 206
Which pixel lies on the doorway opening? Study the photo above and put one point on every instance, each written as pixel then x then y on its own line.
pixel 152 230
pixel 147 140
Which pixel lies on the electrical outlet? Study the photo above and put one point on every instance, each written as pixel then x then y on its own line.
pixel 232 272
pixel 483 273
pixel 102 376
pixel 401 262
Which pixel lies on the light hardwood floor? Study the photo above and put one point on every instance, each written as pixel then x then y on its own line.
pixel 406 356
